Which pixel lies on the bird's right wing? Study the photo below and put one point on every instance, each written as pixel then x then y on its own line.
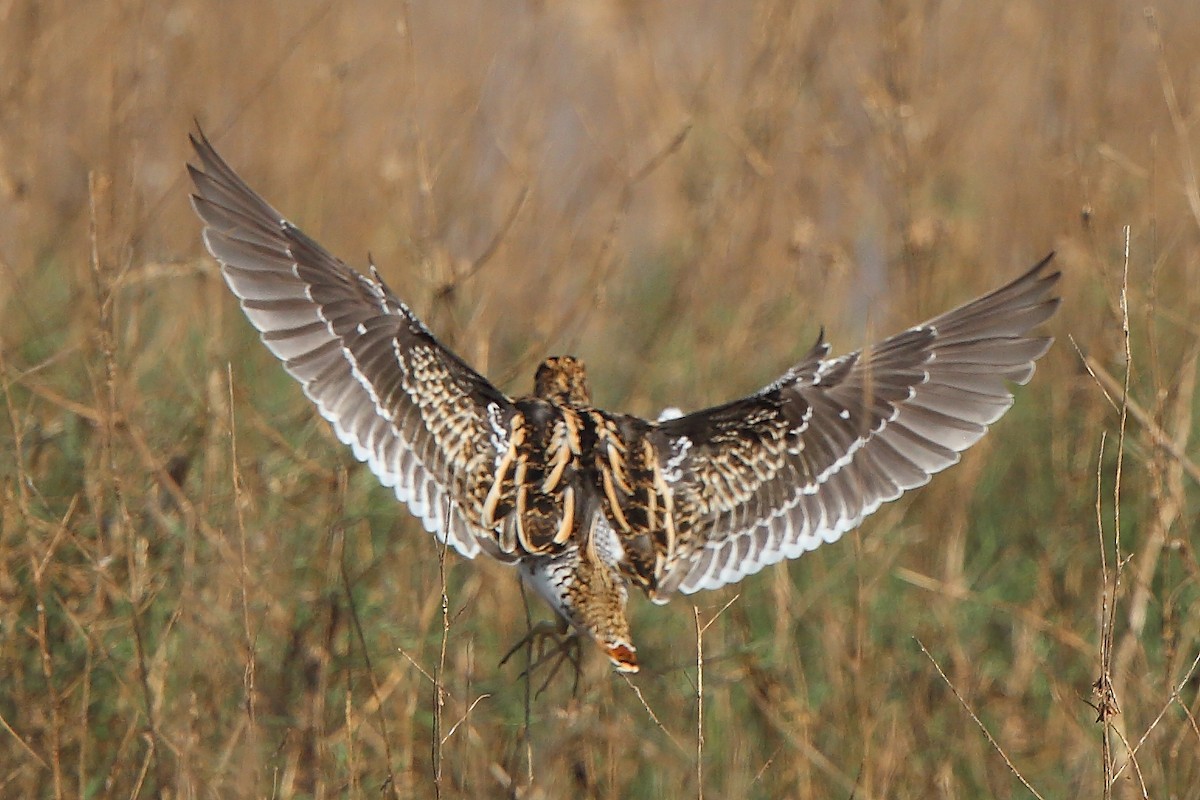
pixel 778 473
pixel 426 424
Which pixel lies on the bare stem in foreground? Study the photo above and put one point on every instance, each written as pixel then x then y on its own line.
pixel 979 722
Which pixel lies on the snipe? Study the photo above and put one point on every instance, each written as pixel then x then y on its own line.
pixel 586 503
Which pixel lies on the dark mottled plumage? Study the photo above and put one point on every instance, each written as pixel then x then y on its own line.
pixel 586 502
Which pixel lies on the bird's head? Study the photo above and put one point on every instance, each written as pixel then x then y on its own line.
pixel 562 378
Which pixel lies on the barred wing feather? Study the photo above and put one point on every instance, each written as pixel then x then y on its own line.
pixel 428 426
pixel 804 460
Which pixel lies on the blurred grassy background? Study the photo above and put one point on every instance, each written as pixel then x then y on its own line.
pixel 202 596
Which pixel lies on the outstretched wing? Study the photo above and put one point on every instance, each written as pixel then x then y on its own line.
pixel 804 460
pixel 427 425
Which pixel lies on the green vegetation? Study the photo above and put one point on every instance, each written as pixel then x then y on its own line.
pixel 202 595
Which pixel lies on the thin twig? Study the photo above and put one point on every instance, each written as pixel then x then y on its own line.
pixel 654 717
pixel 1179 122
pixel 376 694
pixel 721 611
pixel 1092 368
pixel 979 722
pixel 352 767
pixel 1106 599
pixel 43 641
pixel 1130 759
pixel 699 704
pixel 424 672
pixel 250 675
pixel 700 631
pixel 241 106
pixel 527 731
pixel 766 765
pixel 1108 384
pixel 24 745
pixel 463 718
pixel 102 296
pixel 1174 698
pixel 438 690
pixel 577 313
pixel 786 725
pixel 494 245
pixel 23 482
pixel 1109 702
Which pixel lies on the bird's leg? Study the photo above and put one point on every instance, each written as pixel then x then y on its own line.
pixel 566 649
pixel 549 640
pixel 538 634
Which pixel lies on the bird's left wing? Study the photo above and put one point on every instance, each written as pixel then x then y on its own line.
pixel 804 460
pixel 427 424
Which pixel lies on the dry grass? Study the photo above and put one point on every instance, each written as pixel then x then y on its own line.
pixel 201 594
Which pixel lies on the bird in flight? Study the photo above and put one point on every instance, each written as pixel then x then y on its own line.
pixel 587 503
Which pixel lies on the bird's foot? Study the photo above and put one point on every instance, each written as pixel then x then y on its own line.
pixel 549 643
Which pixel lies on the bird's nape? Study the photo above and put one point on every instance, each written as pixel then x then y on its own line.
pixel 564 379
